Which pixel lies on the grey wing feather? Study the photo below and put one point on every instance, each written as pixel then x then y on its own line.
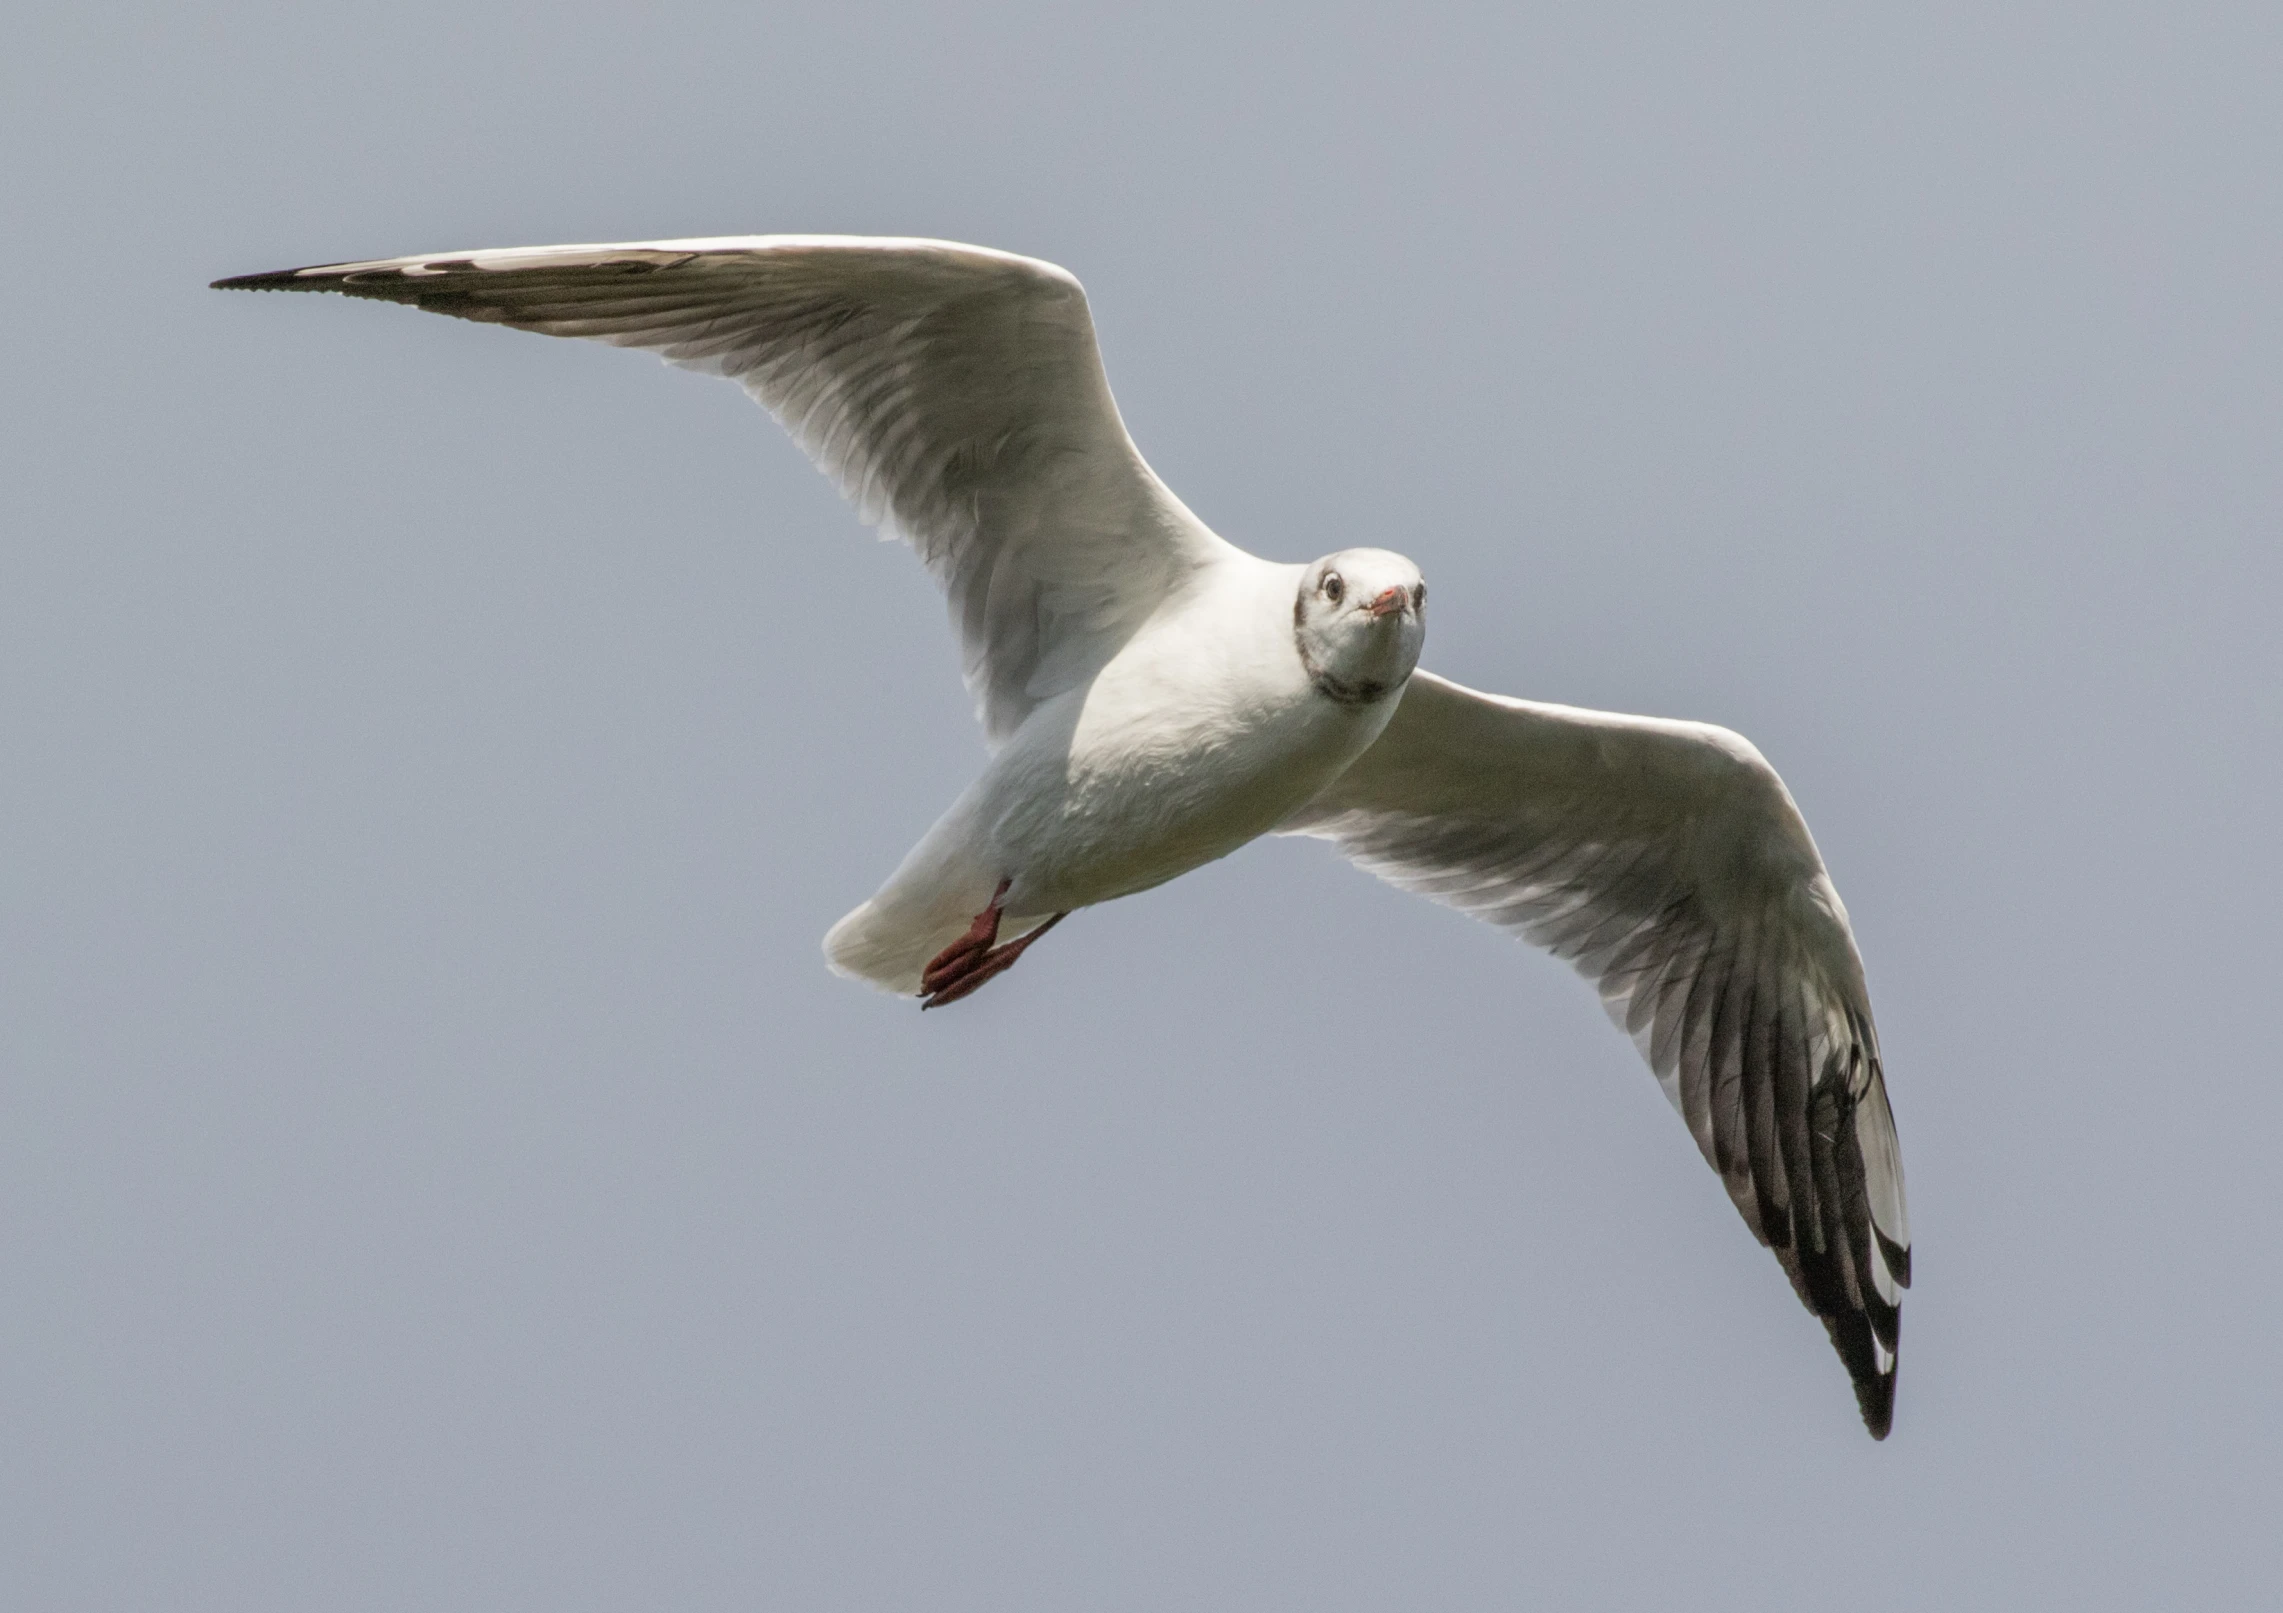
pixel 1667 863
pixel 954 394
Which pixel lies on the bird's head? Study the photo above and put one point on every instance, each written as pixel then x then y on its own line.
pixel 1359 621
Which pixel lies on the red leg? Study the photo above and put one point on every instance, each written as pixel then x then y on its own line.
pixel 964 966
pixel 958 958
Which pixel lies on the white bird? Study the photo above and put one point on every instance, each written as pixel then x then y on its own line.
pixel 1155 697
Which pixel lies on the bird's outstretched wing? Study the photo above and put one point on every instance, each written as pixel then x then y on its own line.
pixel 954 393
pixel 1666 862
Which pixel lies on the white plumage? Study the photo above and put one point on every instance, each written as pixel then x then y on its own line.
pixel 1155 697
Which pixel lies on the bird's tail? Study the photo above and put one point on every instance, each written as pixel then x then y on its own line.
pixel 871 946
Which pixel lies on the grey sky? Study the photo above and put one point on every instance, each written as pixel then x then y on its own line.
pixel 435 1167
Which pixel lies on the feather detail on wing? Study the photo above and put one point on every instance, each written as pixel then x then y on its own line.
pixel 954 394
pixel 1666 862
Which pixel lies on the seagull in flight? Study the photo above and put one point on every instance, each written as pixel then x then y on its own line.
pixel 1154 697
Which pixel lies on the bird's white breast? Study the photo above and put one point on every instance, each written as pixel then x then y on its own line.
pixel 1203 733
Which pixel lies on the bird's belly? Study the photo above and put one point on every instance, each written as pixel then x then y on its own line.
pixel 1108 807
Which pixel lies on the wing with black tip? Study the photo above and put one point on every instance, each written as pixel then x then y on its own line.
pixel 955 395
pixel 1666 862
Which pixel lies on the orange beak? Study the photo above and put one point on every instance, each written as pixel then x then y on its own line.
pixel 1393 599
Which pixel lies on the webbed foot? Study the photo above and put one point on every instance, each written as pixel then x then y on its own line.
pixel 963 967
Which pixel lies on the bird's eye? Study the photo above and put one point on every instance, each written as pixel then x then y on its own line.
pixel 1334 588
pixel 1418 596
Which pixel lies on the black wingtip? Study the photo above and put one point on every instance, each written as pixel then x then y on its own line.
pixel 1875 1395
pixel 275 280
pixel 1859 1350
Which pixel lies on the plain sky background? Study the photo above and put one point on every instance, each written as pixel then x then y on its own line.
pixel 437 1171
